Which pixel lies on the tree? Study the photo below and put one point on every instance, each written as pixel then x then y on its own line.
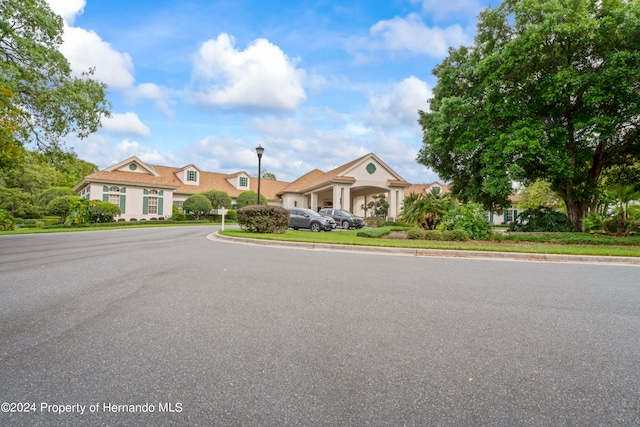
pixel 40 98
pixel 536 194
pixel 61 206
pixel 548 91
pixel 268 175
pixel 197 205
pixel 218 199
pixel 48 195
pixel 247 198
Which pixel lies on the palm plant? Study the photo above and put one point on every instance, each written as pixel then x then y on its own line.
pixel 426 210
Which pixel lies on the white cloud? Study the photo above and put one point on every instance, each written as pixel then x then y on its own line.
pixel 85 49
pixel 126 149
pixel 126 124
pixel 399 106
pixel 411 35
pixel 261 76
pixel 68 9
pixel 159 94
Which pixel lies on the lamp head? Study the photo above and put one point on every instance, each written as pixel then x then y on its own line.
pixel 259 150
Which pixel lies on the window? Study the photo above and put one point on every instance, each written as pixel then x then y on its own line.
pixel 508 217
pixel 153 205
pixel 192 176
pixel 178 205
pixel 114 189
pixel 115 199
pixel 244 181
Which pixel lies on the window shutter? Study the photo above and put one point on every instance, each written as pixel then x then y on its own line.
pixel 161 193
pixel 146 191
pixel 105 188
pixel 515 214
pixel 123 190
pixel 505 215
pixel 195 176
pixel 105 197
pixel 145 205
pixel 123 203
pixel 160 205
pixel 491 216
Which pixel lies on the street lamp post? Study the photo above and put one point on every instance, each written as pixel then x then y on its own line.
pixel 259 150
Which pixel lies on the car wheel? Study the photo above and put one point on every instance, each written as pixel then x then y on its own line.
pixel 345 225
pixel 315 227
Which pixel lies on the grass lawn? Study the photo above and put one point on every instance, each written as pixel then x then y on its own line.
pixel 111 226
pixel 556 244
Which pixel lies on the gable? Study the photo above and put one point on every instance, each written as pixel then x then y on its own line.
pixel 134 165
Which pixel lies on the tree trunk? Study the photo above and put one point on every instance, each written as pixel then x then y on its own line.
pixel 576 211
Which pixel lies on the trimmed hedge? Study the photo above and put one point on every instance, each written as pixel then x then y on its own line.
pixel 457 235
pixel 263 219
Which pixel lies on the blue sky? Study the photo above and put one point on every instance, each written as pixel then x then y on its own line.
pixel 317 83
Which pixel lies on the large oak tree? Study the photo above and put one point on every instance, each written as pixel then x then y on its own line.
pixel 40 100
pixel 549 90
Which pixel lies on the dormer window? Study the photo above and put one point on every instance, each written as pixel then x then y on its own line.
pixel 192 176
pixel 244 181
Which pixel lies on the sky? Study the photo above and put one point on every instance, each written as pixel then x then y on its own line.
pixel 317 83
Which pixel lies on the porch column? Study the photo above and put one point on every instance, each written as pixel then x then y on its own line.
pixel 393 204
pixel 314 201
pixel 346 199
pixel 337 194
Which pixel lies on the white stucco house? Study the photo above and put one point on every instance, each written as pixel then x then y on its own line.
pixel 145 191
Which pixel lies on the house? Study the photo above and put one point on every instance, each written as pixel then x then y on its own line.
pixel 146 191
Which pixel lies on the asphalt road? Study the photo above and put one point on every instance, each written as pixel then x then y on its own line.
pixel 202 332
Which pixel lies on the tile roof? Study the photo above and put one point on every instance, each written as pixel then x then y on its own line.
pixel 207 181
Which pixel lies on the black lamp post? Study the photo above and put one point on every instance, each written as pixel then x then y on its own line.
pixel 259 150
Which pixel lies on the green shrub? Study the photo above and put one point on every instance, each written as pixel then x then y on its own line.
pixel 7 222
pixel 373 233
pixel 263 219
pixel 433 235
pixel 593 222
pixel 101 212
pixel 218 198
pixel 415 234
pixel 247 198
pixel 541 219
pixel 458 235
pixel 231 215
pixel 469 217
pixel 197 205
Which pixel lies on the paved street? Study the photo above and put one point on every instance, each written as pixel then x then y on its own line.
pixel 166 327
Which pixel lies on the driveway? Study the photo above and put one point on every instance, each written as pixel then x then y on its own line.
pixel 166 327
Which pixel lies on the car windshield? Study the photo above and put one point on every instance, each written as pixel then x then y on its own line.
pixel 345 213
pixel 314 213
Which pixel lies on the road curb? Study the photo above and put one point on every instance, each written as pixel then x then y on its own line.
pixel 438 253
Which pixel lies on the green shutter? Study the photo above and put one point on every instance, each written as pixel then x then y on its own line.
pixel 195 176
pixel 161 193
pixel 145 205
pixel 123 190
pixel 105 197
pixel 160 205
pixel 491 217
pixel 515 214
pixel 123 203
pixel 505 215
pixel 105 188
pixel 146 191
